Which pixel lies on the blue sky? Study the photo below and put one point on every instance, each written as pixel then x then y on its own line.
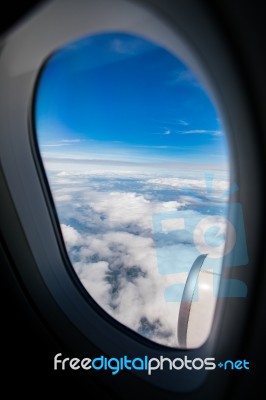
pixel 118 96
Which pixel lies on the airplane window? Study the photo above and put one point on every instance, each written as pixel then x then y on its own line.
pixel 137 161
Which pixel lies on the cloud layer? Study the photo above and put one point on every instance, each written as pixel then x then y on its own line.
pixel 108 224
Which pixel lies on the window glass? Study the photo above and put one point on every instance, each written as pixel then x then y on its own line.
pixel 137 162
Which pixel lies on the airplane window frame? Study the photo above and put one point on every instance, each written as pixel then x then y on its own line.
pixel 39 220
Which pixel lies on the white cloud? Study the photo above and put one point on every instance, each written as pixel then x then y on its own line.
pixel 70 140
pixel 54 145
pixel 92 276
pixel 123 208
pixel 186 76
pixel 202 131
pixel 71 236
pixel 182 122
pixel 129 286
pixel 110 237
pixel 129 46
pixel 63 197
pixel 179 183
